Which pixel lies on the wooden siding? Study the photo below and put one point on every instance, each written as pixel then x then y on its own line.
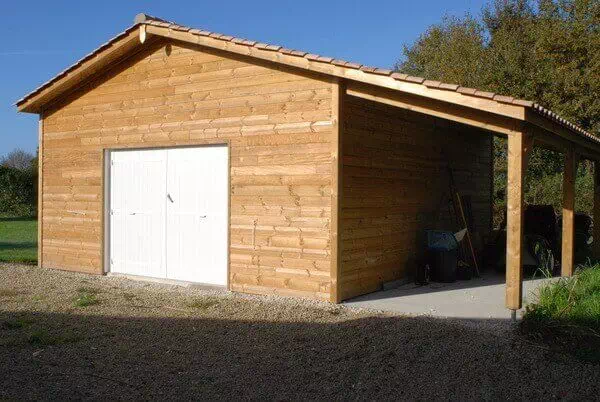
pixel 394 177
pixel 276 121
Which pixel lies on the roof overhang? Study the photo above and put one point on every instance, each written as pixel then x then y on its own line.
pixel 501 114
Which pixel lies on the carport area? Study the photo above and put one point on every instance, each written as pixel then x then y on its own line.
pixel 479 298
pixel 525 125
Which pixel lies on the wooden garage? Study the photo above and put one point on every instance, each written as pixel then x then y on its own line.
pixel 184 154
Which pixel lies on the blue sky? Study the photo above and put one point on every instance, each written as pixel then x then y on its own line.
pixel 41 38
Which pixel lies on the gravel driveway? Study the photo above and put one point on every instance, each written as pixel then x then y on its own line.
pixel 151 341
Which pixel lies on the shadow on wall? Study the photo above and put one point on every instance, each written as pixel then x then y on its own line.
pixel 85 356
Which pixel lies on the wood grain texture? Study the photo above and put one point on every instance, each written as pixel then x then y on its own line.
pixel 596 213
pixel 337 110
pixel 40 211
pixel 517 166
pixel 277 122
pixel 395 179
pixel 568 213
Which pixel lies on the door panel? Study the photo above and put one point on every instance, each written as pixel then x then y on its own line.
pixel 197 208
pixel 138 212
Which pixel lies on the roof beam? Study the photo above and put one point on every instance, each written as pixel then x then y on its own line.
pixel 563 138
pixel 548 140
pixel 445 110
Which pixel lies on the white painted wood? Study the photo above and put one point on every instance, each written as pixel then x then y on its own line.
pixel 168 213
pixel 137 212
pixel 197 209
pixel 106 160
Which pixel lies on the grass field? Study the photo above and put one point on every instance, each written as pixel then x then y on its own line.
pixel 18 239
pixel 567 314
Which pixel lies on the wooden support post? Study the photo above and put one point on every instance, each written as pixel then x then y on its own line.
pixel 337 107
pixel 568 213
pixel 40 190
pixel 596 212
pixel 518 147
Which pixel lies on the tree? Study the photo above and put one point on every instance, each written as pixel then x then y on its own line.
pixel 542 50
pixel 17 159
pixel 453 51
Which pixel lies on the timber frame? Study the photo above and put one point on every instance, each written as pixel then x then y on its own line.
pixel 524 123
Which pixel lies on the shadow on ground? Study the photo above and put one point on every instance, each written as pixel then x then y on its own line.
pixel 52 355
pixel 16 218
pixel 17 245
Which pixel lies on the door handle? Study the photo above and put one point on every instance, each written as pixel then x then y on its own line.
pixel 169 197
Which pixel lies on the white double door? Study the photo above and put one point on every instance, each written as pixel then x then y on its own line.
pixel 168 213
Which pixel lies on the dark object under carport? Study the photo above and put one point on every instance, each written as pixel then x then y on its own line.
pixel 442 255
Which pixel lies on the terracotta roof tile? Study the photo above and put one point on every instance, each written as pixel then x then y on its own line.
pixel 298 53
pixel 484 94
pixel 418 80
pixel 274 48
pixel 450 87
pixel 383 71
pixel 355 66
pixel 399 76
pixel 339 62
pixel 522 102
pixel 432 84
pixel 325 59
pixel 312 56
pixel 504 99
pixel 466 90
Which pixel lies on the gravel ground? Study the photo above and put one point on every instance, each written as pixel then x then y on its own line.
pixel 151 341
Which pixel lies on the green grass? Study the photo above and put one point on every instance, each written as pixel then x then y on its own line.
pixel 18 239
pixel 203 303
pixel 86 297
pixel 567 314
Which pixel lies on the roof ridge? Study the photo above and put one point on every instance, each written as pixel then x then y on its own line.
pixel 143 17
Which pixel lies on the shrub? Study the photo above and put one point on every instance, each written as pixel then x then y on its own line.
pixel 18 191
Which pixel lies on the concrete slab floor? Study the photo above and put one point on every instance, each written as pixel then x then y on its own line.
pixel 478 298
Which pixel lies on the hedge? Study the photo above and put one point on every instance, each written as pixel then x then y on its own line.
pixel 18 191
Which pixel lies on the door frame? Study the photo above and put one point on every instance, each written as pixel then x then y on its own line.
pixel 106 188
